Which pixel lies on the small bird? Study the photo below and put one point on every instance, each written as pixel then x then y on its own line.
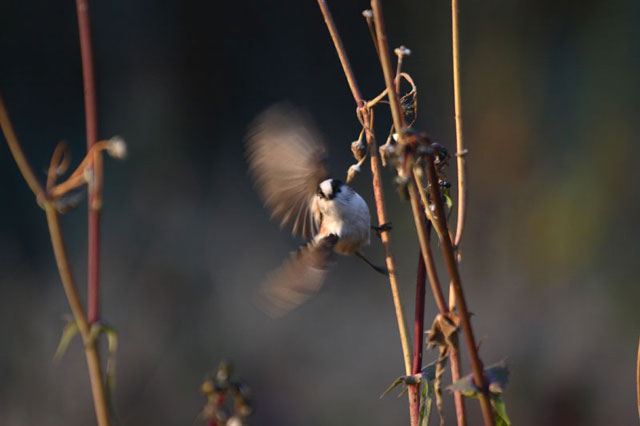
pixel 287 161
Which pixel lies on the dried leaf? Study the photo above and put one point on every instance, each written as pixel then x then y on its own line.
pixel 443 327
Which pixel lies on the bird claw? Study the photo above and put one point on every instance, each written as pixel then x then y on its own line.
pixel 381 269
pixel 382 228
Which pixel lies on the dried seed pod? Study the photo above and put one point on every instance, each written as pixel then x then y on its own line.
pixel 354 171
pixel 359 149
pixel 117 148
pixel 386 152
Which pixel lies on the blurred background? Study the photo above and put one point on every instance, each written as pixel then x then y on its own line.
pixel 550 102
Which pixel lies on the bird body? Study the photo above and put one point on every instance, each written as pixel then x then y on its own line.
pixel 345 215
pixel 286 159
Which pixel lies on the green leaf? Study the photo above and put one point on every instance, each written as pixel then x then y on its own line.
pixel 112 347
pixel 68 333
pixel 429 372
pixel 465 386
pixel 426 401
pixel 497 376
pixel 393 385
pixel 407 380
pixel 499 411
pixel 428 375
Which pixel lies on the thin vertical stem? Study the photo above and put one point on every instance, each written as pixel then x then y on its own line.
pixel 452 267
pixel 418 328
pixel 18 154
pixel 91 352
pixel 454 351
pixel 418 333
pixel 342 53
pixel 423 239
pixel 381 211
pixel 385 61
pixel 377 184
pixel 399 123
pixel 95 188
pixel 461 153
pixel 60 252
pixel 378 194
pixel 454 357
pixel 462 191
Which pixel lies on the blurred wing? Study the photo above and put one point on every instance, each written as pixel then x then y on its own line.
pixel 286 159
pixel 299 277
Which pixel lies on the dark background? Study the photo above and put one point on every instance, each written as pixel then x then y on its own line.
pixel 550 96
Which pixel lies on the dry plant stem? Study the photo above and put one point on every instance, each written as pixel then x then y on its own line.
pixel 414 405
pixel 418 334
pixel 418 329
pixel 386 243
pixel 372 30
pixel 452 266
pixel 18 154
pixel 378 195
pixel 58 164
pixel 385 61
pixel 377 184
pixel 454 357
pixel 342 54
pixel 427 261
pixel 454 351
pixel 400 124
pixel 91 117
pixel 423 238
pixel 91 352
pixel 93 359
pixel 461 153
pixel 78 177
pixel 462 192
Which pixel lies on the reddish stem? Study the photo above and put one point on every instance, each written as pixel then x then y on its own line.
pixel 418 333
pixel 91 118
pixel 449 258
pixel 418 328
